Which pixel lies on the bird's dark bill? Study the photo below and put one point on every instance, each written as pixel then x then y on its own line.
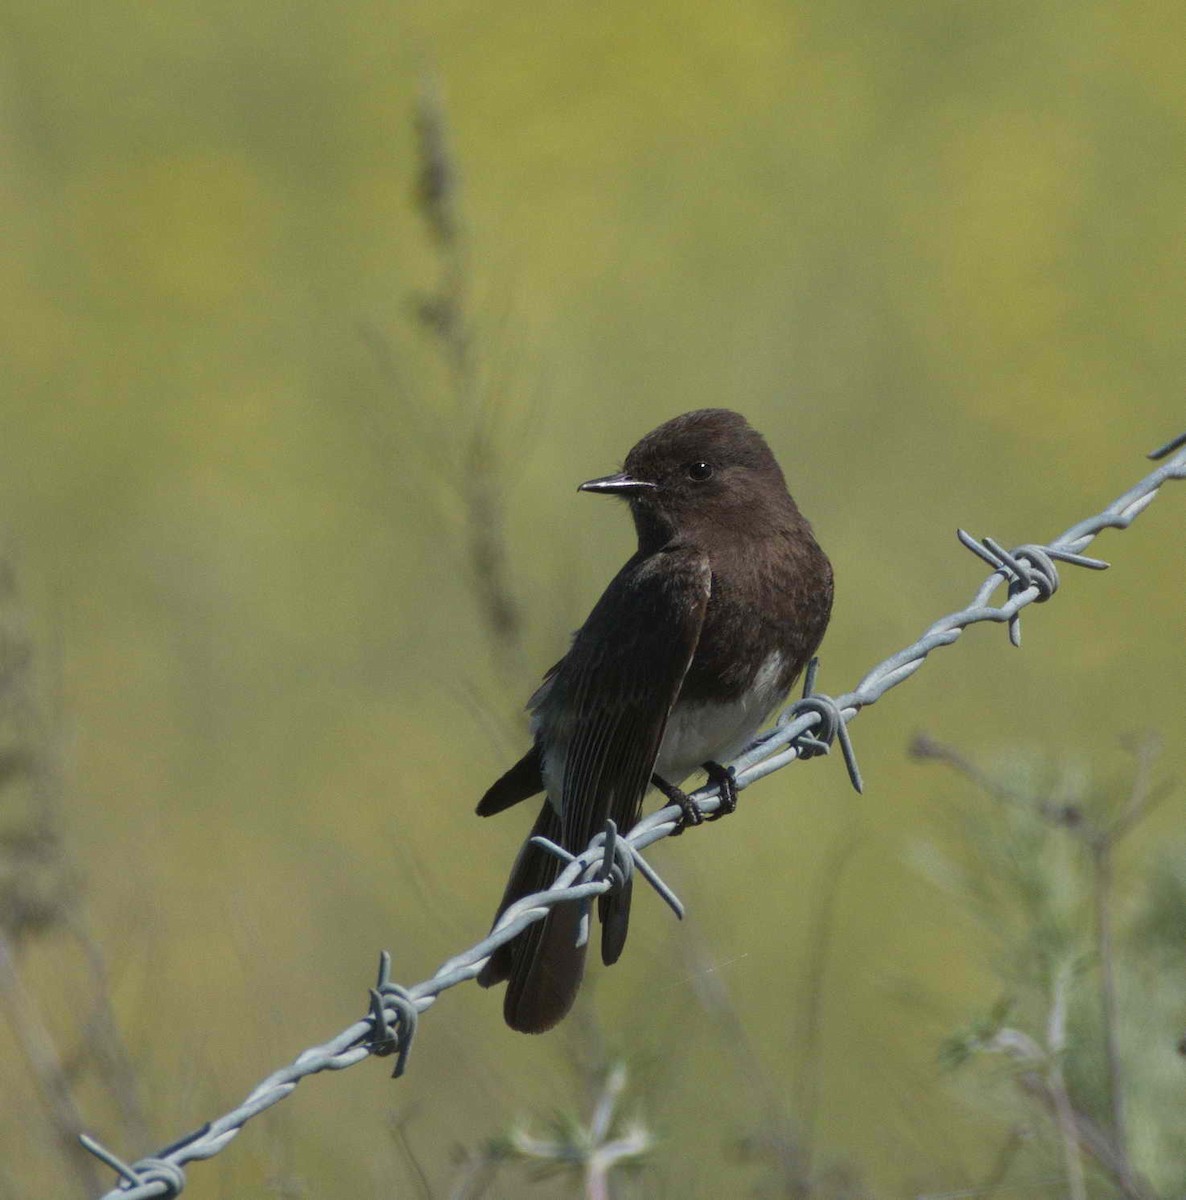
pixel 617 485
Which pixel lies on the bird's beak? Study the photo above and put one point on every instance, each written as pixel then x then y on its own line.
pixel 618 485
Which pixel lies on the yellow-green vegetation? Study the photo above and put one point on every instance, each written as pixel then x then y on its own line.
pixel 288 461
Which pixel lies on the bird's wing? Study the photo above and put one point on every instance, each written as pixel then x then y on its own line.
pixel 521 782
pixel 606 705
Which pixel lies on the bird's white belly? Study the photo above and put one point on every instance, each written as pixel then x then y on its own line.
pixel 700 733
pixel 695 733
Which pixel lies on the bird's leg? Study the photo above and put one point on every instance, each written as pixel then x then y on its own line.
pixel 726 779
pixel 692 814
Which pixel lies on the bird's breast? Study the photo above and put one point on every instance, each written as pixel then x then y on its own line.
pixel 707 730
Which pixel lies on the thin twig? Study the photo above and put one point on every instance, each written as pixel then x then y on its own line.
pixel 1101 860
pixel 118 1072
pixel 590 1149
pixel 822 936
pixel 1056 1041
pixel 45 1065
pixel 1091 1139
pixel 777 1139
pixel 1145 795
pixel 477 1178
pixel 399 1133
pixel 925 748
pixel 1102 842
pixel 445 315
pixel 1099 837
pixel 42 895
pixel 998 1172
pixel 1002 1163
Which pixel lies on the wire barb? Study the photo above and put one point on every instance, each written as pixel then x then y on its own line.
pixel 619 860
pixel 386 1040
pixel 617 866
pixel 805 730
pixel 550 846
pixel 1028 566
pixel 831 727
pixel 148 1176
pixel 1170 446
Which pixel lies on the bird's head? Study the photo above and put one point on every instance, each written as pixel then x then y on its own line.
pixel 708 467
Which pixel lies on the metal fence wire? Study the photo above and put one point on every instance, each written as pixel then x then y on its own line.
pixel 808 727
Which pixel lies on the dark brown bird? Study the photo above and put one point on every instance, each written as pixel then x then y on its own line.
pixel 699 636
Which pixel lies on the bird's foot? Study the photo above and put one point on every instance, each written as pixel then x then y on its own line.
pixel 726 779
pixel 691 811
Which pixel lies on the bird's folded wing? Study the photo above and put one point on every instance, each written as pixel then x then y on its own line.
pixel 606 705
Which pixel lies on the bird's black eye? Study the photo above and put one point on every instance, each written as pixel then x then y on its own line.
pixel 699 471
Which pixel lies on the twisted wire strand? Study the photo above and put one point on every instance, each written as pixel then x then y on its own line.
pixel 807 728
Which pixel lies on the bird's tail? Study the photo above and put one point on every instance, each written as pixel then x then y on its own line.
pixel 543 965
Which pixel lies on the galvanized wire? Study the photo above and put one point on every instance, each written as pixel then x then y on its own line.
pixel 809 727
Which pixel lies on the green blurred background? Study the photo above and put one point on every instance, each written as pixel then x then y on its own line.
pixel 934 251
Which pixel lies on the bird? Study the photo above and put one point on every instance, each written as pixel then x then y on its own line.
pixel 695 641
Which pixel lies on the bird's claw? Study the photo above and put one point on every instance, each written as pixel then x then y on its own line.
pixel 724 778
pixel 690 810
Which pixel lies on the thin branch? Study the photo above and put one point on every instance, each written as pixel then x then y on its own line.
pixel 926 748
pixel 1091 1139
pixel 590 1151
pixel 1144 795
pixel 445 315
pixel 823 932
pixel 1064 1111
pixel 399 1133
pixel 477 1177
pixel 45 1065
pixel 777 1139
pixel 998 1172
pixel 1100 839
pixel 1002 1163
pixel 1101 859
pixel 41 895
pixel 102 1031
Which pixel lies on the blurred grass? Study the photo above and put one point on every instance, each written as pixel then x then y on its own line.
pixel 933 251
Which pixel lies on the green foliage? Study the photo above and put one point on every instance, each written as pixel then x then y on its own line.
pixel 1079 949
pixel 964 1044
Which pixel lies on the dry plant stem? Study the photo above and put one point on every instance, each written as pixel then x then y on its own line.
pixel 1001 1165
pixel 716 1000
pixel 1101 854
pixel 477 1178
pixel 446 317
pixel 399 1133
pixel 1102 842
pixel 45 1064
pixel 1056 1042
pixel 590 1150
pixel 822 936
pixel 488 551
pixel 794 1155
pixel 1145 795
pixel 596 1181
pixel 31 754
pixel 1091 1139
pixel 102 1029
pixel 600 1163
pixel 928 749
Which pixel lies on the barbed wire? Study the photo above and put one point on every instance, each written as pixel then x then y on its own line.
pixel 808 728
